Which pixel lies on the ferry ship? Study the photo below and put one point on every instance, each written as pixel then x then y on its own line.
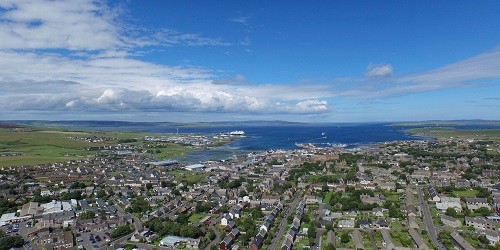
pixel 237 132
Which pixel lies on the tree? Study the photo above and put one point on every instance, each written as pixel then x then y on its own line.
pixel 330 246
pixel 138 205
pixel 311 233
pixel 87 215
pixel 183 218
pixel 256 213
pixel 149 186
pixel 483 239
pixel 345 238
pixel 101 193
pixel 483 211
pixel 11 241
pixel 451 212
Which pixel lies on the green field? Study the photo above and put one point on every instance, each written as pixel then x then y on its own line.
pixel 196 217
pixel 49 146
pixel 327 198
pixel 172 151
pixel 449 133
pixel 188 176
pixel 466 194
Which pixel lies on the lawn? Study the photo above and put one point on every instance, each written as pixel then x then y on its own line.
pixel 196 217
pixel 327 198
pixel 377 236
pixel 349 244
pixel 172 150
pixel 188 176
pixel 366 240
pixel 396 225
pixel 435 216
pixel 466 193
pixel 401 238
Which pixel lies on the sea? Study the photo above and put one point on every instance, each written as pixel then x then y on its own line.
pixel 261 136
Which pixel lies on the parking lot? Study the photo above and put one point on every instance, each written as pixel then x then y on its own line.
pixel 92 240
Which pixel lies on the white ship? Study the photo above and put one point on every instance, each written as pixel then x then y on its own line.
pixel 237 132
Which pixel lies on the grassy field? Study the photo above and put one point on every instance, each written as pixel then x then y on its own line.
pixel 172 151
pixel 187 176
pixel 466 194
pixel 327 198
pixel 196 217
pixel 49 146
pixel 449 133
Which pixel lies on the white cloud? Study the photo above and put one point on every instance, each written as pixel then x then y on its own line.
pixel 98 74
pixel 468 72
pixel 81 25
pixel 383 70
pixel 240 19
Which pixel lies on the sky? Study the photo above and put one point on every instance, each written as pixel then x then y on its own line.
pixel 188 61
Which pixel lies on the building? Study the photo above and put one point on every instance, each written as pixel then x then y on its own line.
pixel 481 223
pixel 433 195
pixel 173 241
pixel 449 202
pixel 417 239
pixel 476 203
pixel 460 243
pixel 450 221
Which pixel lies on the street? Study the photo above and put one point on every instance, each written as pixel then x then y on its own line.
pixel 429 223
pixel 283 224
pixel 218 236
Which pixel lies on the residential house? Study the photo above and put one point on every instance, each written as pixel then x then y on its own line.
pixel 225 220
pixel 417 239
pixel 226 243
pixel 481 223
pixel 387 240
pixel 475 203
pixel 433 195
pixel 460 242
pixel 449 202
pixel 287 245
pixel 346 224
pixel 450 221
pixel 382 223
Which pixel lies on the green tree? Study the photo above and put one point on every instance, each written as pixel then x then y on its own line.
pixel 330 246
pixel 87 215
pixel 483 211
pixel 345 238
pixel 9 242
pixel 451 212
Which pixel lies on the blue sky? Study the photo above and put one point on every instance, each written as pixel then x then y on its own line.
pixel 327 61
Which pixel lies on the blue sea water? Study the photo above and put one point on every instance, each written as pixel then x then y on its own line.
pixel 266 136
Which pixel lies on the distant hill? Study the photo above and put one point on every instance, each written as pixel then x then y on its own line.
pixel 442 123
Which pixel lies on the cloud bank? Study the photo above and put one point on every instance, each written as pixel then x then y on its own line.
pixel 77 56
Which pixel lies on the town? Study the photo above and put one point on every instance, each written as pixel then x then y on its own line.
pixel 426 194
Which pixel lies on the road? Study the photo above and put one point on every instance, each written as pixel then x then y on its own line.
pixel 429 223
pixel 317 240
pixel 283 224
pixel 218 236
pixel 137 221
